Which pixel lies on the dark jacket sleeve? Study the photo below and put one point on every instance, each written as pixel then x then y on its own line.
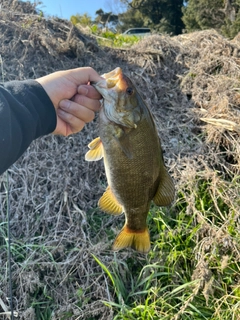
pixel 26 113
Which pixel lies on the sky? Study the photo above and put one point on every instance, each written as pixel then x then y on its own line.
pixel 66 8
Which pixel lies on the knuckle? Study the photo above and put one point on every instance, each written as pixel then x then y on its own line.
pixel 90 69
pixel 78 127
pixel 80 99
pixel 91 116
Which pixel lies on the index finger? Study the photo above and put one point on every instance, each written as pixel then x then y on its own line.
pixel 84 75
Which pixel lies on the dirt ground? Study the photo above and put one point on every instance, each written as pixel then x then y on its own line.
pixel 191 84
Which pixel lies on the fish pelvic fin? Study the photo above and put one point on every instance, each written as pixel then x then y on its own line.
pixel 96 150
pixel 138 240
pixel 166 192
pixel 109 203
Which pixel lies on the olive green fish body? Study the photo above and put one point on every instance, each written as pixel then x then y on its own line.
pixel 133 160
pixel 133 178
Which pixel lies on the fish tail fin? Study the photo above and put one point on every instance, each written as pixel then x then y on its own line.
pixel 137 240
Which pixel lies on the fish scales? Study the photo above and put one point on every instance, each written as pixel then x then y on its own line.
pixel 134 178
pixel 133 159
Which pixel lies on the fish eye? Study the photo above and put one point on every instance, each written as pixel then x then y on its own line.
pixel 129 90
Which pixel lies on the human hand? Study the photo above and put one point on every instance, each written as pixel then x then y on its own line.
pixel 74 99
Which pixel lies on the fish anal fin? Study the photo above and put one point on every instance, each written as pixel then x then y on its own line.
pixel 96 150
pixel 138 240
pixel 166 192
pixel 109 203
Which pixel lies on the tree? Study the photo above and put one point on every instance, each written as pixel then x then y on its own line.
pixel 130 19
pixel 83 19
pixel 223 15
pixel 231 26
pixel 203 14
pixel 105 18
pixel 163 15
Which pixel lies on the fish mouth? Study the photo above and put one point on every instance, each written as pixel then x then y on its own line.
pixel 111 80
pixel 112 77
pixel 117 106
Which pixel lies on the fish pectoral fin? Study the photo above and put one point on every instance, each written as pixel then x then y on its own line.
pixel 124 144
pixel 166 191
pixel 137 240
pixel 109 203
pixel 96 150
pixel 95 142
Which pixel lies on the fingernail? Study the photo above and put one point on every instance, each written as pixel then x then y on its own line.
pixel 64 104
pixel 82 90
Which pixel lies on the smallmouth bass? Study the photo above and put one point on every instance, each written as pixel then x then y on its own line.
pixel 130 147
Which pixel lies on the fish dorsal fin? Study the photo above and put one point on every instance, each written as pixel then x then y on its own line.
pixel 109 203
pixel 96 150
pixel 166 191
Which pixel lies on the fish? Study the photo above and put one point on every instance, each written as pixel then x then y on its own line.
pixel 131 150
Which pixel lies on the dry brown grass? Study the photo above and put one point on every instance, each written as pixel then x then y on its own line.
pixel 191 83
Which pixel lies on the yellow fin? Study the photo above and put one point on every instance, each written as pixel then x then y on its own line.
pixel 95 142
pixel 137 240
pixel 166 191
pixel 95 153
pixel 109 203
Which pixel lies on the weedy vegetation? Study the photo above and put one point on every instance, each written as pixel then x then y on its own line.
pixel 111 39
pixel 108 38
pixel 62 263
